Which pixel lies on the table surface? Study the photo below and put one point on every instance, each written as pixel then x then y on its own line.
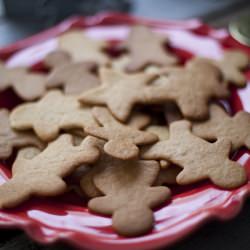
pixel 230 235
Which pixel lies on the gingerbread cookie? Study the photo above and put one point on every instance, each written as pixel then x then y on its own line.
pixel 124 183
pixel 52 113
pixel 198 158
pixel 82 48
pixel 147 48
pixel 41 173
pixel 220 125
pixel 10 139
pixel 191 87
pixel 27 85
pixel 119 91
pixel 74 77
pixel 122 140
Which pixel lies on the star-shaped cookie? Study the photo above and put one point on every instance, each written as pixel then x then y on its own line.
pixel 119 91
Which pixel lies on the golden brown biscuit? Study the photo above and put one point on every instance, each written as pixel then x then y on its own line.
pixel 122 140
pixel 38 173
pixel 220 125
pixel 191 88
pixel 74 77
pixel 199 159
pixel 52 113
pixel 147 48
pixel 129 196
pixel 119 91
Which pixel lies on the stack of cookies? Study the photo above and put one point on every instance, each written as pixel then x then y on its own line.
pixel 124 128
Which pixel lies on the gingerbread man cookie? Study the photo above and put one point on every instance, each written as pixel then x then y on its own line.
pixel 74 77
pixel 147 48
pixel 27 85
pixel 124 183
pixel 122 140
pixel 198 158
pixel 191 87
pixel 52 113
pixel 38 173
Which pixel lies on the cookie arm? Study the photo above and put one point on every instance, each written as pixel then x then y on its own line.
pixel 95 96
pixel 104 117
pixel 72 156
pixel 139 120
pixel 120 110
pixel 103 205
pixel 157 195
pixel 155 152
pixel 99 132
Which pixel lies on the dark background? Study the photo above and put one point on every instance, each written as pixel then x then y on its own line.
pixel 19 19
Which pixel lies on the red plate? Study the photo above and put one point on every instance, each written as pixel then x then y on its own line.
pixel 67 218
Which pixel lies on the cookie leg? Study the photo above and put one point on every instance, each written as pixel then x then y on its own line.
pixel 133 220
